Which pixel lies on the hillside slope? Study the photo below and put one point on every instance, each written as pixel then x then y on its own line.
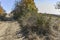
pixel 8 29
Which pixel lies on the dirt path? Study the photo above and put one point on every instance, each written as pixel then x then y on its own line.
pixel 8 27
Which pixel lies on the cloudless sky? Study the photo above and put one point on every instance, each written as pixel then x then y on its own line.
pixel 7 4
pixel 45 6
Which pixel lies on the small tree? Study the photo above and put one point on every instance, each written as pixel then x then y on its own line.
pixel 57 6
pixel 23 7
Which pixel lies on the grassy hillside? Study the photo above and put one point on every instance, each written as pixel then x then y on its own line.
pixel 42 27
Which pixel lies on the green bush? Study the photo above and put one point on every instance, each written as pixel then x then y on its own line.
pixel 31 24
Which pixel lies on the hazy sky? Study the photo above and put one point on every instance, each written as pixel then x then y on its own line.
pixel 48 6
pixel 45 6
